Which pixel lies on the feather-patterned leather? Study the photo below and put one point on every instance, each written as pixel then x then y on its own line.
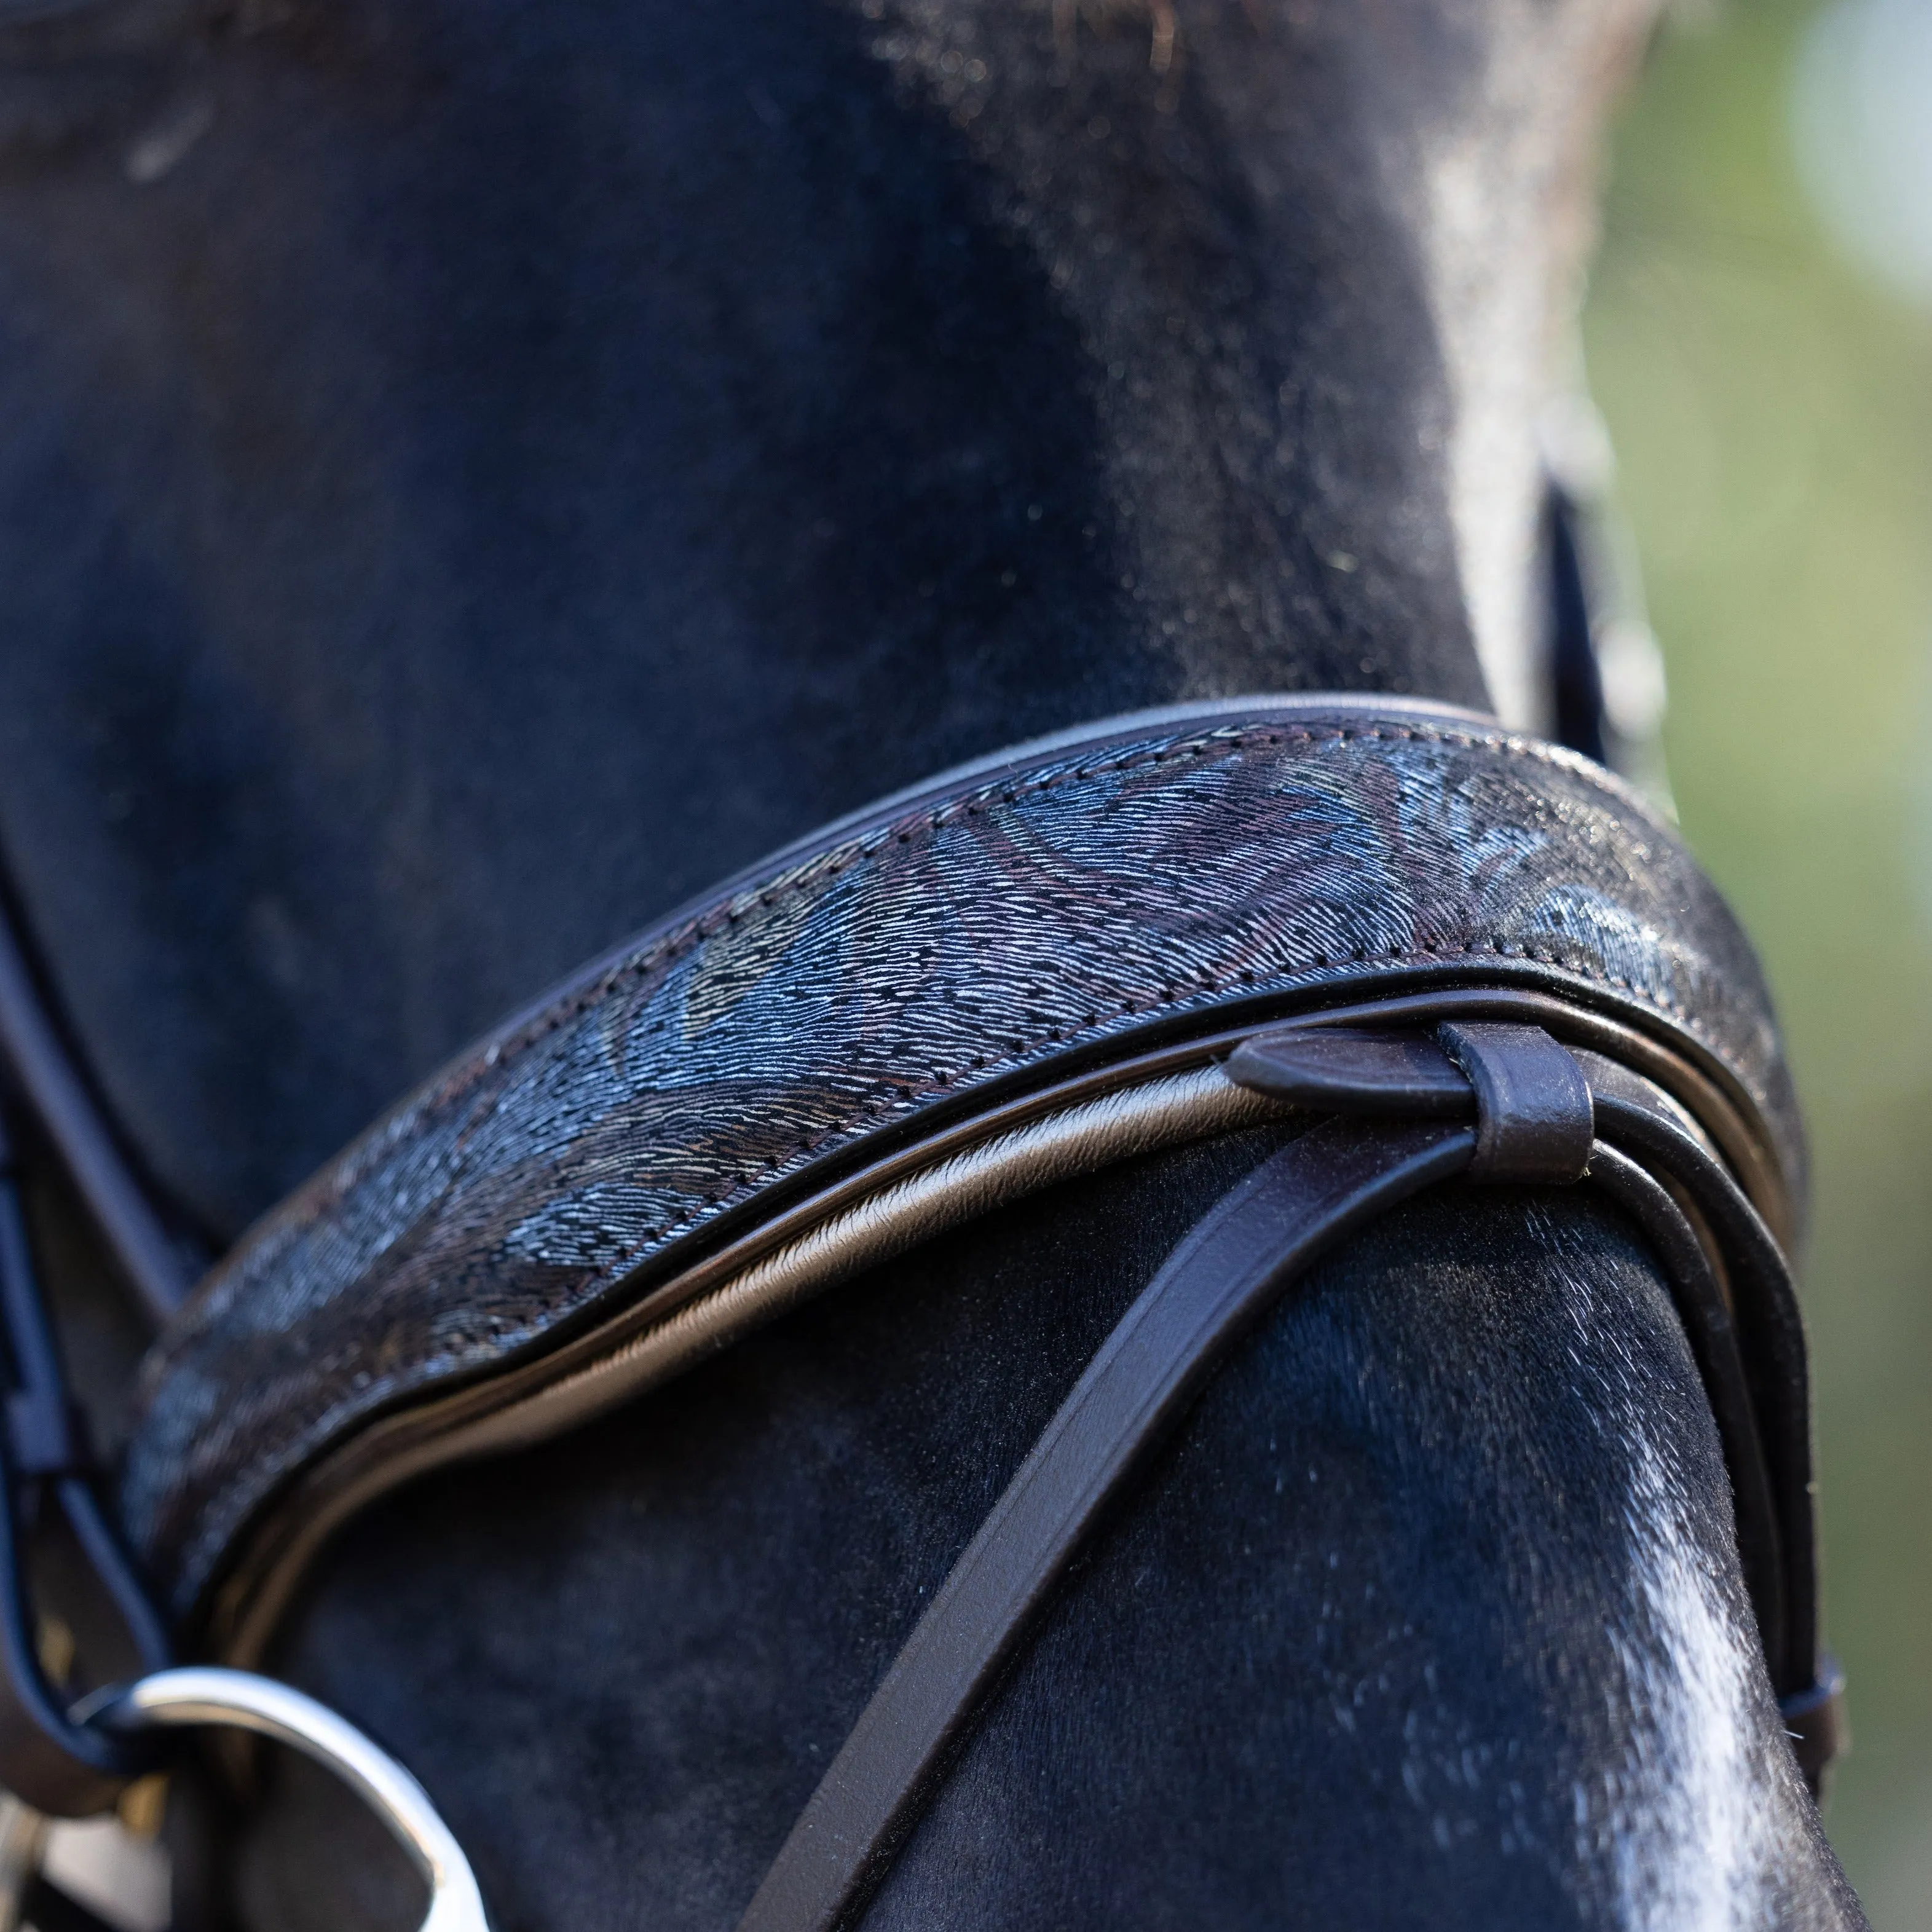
pixel 1171 875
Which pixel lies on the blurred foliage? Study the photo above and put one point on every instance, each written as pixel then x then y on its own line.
pixel 1773 418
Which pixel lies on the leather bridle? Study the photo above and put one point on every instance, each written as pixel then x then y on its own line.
pixel 1411 1092
pixel 1492 1104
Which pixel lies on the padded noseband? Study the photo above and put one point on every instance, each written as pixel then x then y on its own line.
pixel 1447 949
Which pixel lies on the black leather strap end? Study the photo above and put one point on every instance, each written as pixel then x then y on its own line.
pixel 1351 1070
pixel 1535 1121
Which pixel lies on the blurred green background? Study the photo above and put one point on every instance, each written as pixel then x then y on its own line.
pixel 1770 403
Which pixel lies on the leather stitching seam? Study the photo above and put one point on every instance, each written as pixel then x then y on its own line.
pixel 855 1125
pixel 697 932
pixel 378 1392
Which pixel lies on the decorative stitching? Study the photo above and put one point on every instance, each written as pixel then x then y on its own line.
pixel 747 1183
pixel 890 1095
pixel 218 1525
pixel 694 935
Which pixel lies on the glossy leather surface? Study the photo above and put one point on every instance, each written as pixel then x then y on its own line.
pixel 901 969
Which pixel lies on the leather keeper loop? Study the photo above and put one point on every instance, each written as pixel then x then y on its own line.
pixel 1535 1122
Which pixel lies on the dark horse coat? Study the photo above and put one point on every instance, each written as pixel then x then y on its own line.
pixel 473 475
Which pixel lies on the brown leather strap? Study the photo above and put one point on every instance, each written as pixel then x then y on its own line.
pixel 1712 1332
pixel 1502 1102
pixel 1770 1338
pixel 1653 1160
pixel 1217 1284
pixel 1534 1121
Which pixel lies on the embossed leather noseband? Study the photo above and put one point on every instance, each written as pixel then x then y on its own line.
pixel 1447 953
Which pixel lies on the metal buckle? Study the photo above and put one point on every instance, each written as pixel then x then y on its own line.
pixel 206 1694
